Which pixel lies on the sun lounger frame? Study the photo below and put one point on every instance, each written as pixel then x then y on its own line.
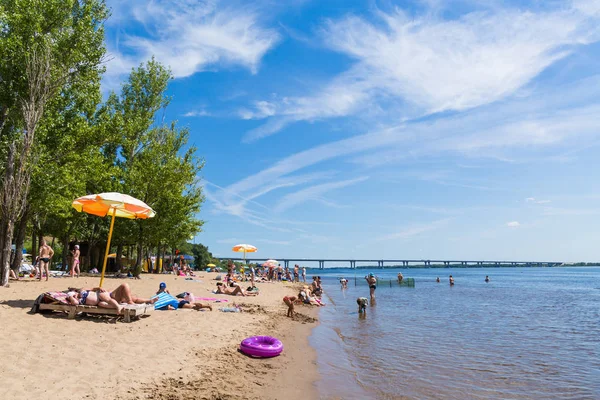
pixel 129 312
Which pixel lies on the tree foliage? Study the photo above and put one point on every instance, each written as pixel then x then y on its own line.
pixel 59 140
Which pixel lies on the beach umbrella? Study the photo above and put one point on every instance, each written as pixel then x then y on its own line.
pixel 116 205
pixel 244 248
pixel 269 263
pixel 211 265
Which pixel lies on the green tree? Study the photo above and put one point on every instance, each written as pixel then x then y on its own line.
pixel 45 46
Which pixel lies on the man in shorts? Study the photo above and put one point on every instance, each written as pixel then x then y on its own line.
pixel 46 254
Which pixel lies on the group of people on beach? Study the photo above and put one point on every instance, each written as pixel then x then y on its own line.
pixel 41 264
pixel 308 295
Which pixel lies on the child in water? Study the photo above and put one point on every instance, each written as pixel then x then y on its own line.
pixel 362 304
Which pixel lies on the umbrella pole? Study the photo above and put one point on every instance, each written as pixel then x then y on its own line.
pixel 112 224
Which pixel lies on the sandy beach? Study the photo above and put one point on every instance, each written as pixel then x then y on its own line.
pixel 183 354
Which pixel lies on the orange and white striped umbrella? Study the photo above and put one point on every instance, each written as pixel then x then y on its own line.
pixel 244 248
pixel 122 205
pixel 115 205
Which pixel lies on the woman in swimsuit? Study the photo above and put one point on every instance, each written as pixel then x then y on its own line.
pixel 94 297
pixel 233 291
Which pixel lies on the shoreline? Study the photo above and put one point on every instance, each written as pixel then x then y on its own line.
pixel 182 354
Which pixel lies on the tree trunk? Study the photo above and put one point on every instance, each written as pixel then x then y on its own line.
pixel 9 214
pixel 6 230
pixel 65 253
pixel 19 240
pixel 162 257
pixel 33 244
pixel 118 261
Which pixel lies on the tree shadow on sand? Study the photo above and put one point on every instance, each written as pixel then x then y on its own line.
pixel 23 304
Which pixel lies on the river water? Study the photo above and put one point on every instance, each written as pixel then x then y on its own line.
pixel 529 333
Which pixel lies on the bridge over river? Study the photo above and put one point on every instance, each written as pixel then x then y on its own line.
pixel 406 263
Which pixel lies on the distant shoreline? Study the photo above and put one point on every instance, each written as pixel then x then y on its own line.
pixel 441 266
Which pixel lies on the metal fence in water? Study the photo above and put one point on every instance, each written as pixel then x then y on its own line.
pixel 406 282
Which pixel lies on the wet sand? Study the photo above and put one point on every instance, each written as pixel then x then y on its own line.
pixel 182 354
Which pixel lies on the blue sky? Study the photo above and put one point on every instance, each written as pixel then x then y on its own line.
pixel 384 129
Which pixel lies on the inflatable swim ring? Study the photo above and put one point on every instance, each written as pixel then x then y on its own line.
pixel 261 346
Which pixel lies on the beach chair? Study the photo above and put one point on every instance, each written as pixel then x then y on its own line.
pixel 57 301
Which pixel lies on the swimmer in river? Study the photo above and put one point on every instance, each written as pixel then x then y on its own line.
pixel 438 279
pixel 451 279
pixel 400 277
pixel 487 278
pixel 372 281
pixel 362 304
pixel 344 283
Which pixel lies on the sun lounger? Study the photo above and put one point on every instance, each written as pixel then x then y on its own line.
pixel 57 301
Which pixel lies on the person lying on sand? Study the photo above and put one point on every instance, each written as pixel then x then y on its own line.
pixel 187 302
pixel 305 296
pixel 122 294
pixel 234 291
pixel 93 297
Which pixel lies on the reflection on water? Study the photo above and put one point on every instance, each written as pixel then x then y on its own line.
pixel 529 333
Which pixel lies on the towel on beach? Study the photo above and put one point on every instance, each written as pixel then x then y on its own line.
pixel 230 309
pixel 55 297
pixel 210 299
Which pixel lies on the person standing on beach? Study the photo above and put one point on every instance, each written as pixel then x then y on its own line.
pixel 46 254
pixel 372 281
pixel 296 273
pixel 252 275
pixel 75 263
pixel 230 267
pixel 304 274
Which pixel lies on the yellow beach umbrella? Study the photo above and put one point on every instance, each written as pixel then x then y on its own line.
pixel 211 265
pixel 115 205
pixel 244 248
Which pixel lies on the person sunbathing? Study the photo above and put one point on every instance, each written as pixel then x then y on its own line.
pixel 234 291
pixel 122 295
pixel 305 296
pixel 186 302
pixel 93 297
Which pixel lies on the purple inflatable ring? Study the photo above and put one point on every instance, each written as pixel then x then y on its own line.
pixel 261 346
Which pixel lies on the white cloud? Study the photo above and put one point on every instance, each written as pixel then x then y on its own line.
pixel 263 110
pixel 197 113
pixel 425 65
pixel 232 242
pixel 536 201
pixel 275 242
pixel 313 193
pixel 415 230
pixel 513 224
pixel 189 36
